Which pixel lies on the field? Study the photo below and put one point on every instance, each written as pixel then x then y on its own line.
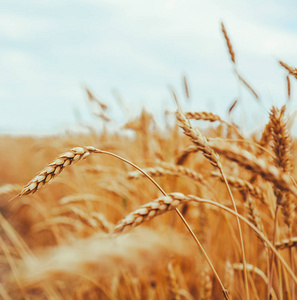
pixel 205 212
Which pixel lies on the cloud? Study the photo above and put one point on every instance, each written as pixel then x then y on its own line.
pixel 139 47
pixel 20 27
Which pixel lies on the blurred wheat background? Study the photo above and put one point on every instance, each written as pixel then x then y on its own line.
pixel 181 203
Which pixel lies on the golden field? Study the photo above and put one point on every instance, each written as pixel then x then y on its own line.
pixel 175 213
pixel 58 243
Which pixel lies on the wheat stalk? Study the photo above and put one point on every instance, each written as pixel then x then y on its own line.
pixel 246 84
pixel 250 205
pixel 256 230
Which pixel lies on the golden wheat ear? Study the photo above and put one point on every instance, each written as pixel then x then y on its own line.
pixel 56 167
pixel 150 210
pixel 291 70
pixel 228 42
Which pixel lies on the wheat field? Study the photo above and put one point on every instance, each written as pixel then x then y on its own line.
pixel 178 213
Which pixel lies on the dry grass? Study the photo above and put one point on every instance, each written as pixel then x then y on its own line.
pixel 103 230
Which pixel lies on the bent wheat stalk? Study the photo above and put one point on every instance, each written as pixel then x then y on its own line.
pixel 257 231
pixel 224 290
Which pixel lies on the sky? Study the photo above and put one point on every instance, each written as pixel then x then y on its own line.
pixel 51 50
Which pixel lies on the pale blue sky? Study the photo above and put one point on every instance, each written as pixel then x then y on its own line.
pixel 50 49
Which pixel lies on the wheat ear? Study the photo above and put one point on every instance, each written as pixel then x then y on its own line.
pixel 253 213
pixel 151 210
pixel 259 272
pixel 173 283
pixel 185 153
pixel 155 208
pixel 256 165
pixel 288 210
pixel 186 86
pixel 203 115
pixel 287 243
pixel 266 136
pixel 168 169
pixel 56 167
pixel 282 144
pixel 281 139
pixel 92 98
pixel 207 285
pixel 292 71
pixel 288 87
pixel 208 116
pixel 198 139
pixel 229 45
pixel 243 185
pixel 180 170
